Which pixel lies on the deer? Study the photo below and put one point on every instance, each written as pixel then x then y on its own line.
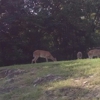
pixel 94 53
pixel 79 55
pixel 42 54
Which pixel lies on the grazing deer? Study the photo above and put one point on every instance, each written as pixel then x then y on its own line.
pixel 94 53
pixel 42 54
pixel 79 55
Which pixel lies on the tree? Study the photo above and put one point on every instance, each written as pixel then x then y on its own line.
pixel 62 27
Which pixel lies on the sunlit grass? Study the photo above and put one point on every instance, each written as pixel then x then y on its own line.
pixel 58 84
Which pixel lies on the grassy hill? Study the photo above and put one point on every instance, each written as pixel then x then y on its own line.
pixel 62 80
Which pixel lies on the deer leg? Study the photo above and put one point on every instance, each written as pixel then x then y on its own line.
pixel 90 57
pixel 46 59
pixel 35 59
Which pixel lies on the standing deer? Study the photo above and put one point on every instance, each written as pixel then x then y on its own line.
pixel 79 55
pixel 94 53
pixel 42 54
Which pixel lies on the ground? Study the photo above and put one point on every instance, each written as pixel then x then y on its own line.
pixel 64 80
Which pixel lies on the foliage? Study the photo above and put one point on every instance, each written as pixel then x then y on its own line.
pixel 62 27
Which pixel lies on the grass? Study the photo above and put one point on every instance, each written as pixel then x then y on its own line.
pixel 61 80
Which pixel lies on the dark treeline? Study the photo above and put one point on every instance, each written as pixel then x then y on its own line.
pixel 62 27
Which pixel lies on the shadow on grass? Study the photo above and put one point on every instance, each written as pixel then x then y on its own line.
pixel 72 93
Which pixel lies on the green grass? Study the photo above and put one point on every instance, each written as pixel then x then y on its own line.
pixel 69 80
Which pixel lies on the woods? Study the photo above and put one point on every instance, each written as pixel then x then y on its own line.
pixel 61 27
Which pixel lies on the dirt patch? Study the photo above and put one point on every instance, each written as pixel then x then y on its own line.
pixel 7 89
pixel 10 73
pixel 73 93
pixel 47 78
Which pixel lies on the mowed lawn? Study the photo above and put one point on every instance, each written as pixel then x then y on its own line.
pixel 61 80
